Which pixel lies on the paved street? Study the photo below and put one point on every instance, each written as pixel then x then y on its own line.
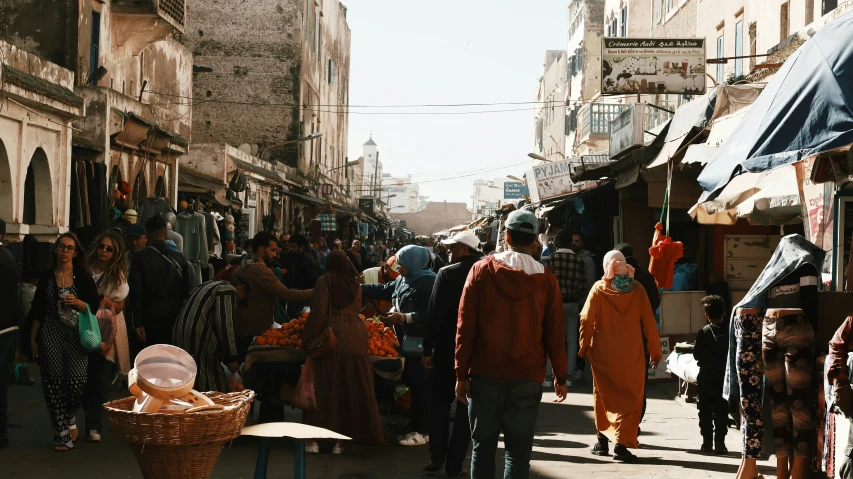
pixel 669 444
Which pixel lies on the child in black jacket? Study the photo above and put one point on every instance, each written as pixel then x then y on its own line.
pixel 711 351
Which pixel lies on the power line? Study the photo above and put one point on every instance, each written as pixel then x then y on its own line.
pixel 426 105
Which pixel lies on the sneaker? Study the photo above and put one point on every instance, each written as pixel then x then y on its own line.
pixel 579 377
pixel 720 448
pixel 94 436
pixel 549 382
pixel 622 454
pixel 312 448
pixel 569 382
pixel 706 448
pixel 414 439
pixel 433 467
pixel 337 449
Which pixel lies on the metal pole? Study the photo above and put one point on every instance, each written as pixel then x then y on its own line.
pixel 375 175
pixel 298 459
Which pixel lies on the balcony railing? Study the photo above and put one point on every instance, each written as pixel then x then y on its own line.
pixel 594 118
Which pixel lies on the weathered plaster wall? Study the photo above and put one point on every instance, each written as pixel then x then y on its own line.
pixel 246 54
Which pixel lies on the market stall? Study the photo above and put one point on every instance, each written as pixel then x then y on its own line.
pixel 274 361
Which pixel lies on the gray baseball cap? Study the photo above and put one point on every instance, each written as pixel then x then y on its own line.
pixel 522 221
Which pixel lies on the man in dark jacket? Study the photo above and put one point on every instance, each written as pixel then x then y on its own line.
pixel 159 281
pixel 642 276
pixel 10 319
pixel 302 271
pixel 439 350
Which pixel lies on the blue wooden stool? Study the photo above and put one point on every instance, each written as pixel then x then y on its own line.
pixel 298 432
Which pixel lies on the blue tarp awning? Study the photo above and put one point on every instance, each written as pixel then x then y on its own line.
pixel 806 109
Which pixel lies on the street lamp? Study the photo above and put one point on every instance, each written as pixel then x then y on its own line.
pixel 349 163
pixel 536 156
pixel 515 178
pixel 312 136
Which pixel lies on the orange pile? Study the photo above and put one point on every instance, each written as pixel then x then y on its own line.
pixel 381 340
pixel 288 336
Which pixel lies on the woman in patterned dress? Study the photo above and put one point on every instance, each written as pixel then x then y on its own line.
pixel 343 380
pixel 63 291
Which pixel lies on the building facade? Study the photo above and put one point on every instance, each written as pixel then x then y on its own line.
pixel 133 75
pixel 550 119
pixel 435 217
pixel 488 196
pixel 38 107
pixel 272 77
pixel 585 28
pixel 400 194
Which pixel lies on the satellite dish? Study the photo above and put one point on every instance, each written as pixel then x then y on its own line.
pixel 245 148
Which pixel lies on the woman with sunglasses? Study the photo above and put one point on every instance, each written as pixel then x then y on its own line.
pixel 63 291
pixel 108 267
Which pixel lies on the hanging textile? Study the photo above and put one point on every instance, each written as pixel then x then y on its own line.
pixel 328 221
pixel 664 251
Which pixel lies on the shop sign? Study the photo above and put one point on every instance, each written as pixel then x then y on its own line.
pixel 652 65
pixel 816 199
pixel 513 190
pixel 553 180
pixel 366 205
pixel 660 372
pixel 626 132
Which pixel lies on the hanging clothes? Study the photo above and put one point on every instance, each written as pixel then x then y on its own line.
pixel 152 206
pixel 76 208
pixel 100 206
pixel 191 226
pixel 664 254
pixel 82 177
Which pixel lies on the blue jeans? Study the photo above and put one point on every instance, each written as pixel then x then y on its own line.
pixel 571 313
pixel 8 345
pixel 510 408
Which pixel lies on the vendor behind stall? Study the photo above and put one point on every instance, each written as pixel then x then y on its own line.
pixel 410 294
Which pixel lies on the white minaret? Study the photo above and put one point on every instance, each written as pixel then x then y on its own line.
pixel 371 155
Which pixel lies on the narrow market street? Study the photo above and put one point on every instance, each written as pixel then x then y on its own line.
pixel 669 447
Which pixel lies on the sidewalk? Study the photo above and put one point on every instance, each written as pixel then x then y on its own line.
pixel 670 441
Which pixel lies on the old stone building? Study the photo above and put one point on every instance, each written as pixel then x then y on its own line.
pixel 437 216
pixel 271 76
pixel 550 117
pixel 134 76
pixel 36 111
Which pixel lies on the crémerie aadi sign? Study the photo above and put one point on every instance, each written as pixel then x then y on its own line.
pixel 626 131
pixel 652 65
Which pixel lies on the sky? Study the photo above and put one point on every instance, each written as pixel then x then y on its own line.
pixel 449 52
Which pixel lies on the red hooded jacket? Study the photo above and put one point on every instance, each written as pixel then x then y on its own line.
pixel 509 321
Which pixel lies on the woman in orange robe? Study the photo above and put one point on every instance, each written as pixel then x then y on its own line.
pixel 616 316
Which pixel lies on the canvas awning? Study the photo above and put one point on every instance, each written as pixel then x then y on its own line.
pixel 305 199
pixel 803 111
pixel 687 119
pixel 769 197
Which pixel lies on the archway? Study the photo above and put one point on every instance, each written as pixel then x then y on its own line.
pixel 160 187
pixel 6 198
pixel 38 191
pixel 140 188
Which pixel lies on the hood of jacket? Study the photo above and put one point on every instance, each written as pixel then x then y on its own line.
pixel 512 281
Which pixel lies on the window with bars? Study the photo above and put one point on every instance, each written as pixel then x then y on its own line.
pixel 175 9
pixel 720 55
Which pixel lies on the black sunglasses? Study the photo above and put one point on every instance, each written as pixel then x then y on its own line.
pixel 108 249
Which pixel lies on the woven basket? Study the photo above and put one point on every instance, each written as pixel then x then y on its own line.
pixel 170 446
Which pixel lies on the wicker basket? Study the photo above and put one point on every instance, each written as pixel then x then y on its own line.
pixel 170 446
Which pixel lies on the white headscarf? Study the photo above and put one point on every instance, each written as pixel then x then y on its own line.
pixel 614 263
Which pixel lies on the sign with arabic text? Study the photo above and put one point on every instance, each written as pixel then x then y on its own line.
pixel 652 65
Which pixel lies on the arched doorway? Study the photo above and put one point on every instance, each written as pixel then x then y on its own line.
pixel 38 193
pixel 140 188
pixel 6 203
pixel 160 187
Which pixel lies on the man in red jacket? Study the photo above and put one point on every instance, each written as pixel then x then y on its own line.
pixel 510 319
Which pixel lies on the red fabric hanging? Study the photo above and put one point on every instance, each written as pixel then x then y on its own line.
pixel 665 253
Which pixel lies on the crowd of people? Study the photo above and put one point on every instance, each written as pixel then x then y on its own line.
pixel 490 327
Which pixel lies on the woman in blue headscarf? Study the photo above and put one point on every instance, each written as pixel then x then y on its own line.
pixel 410 294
